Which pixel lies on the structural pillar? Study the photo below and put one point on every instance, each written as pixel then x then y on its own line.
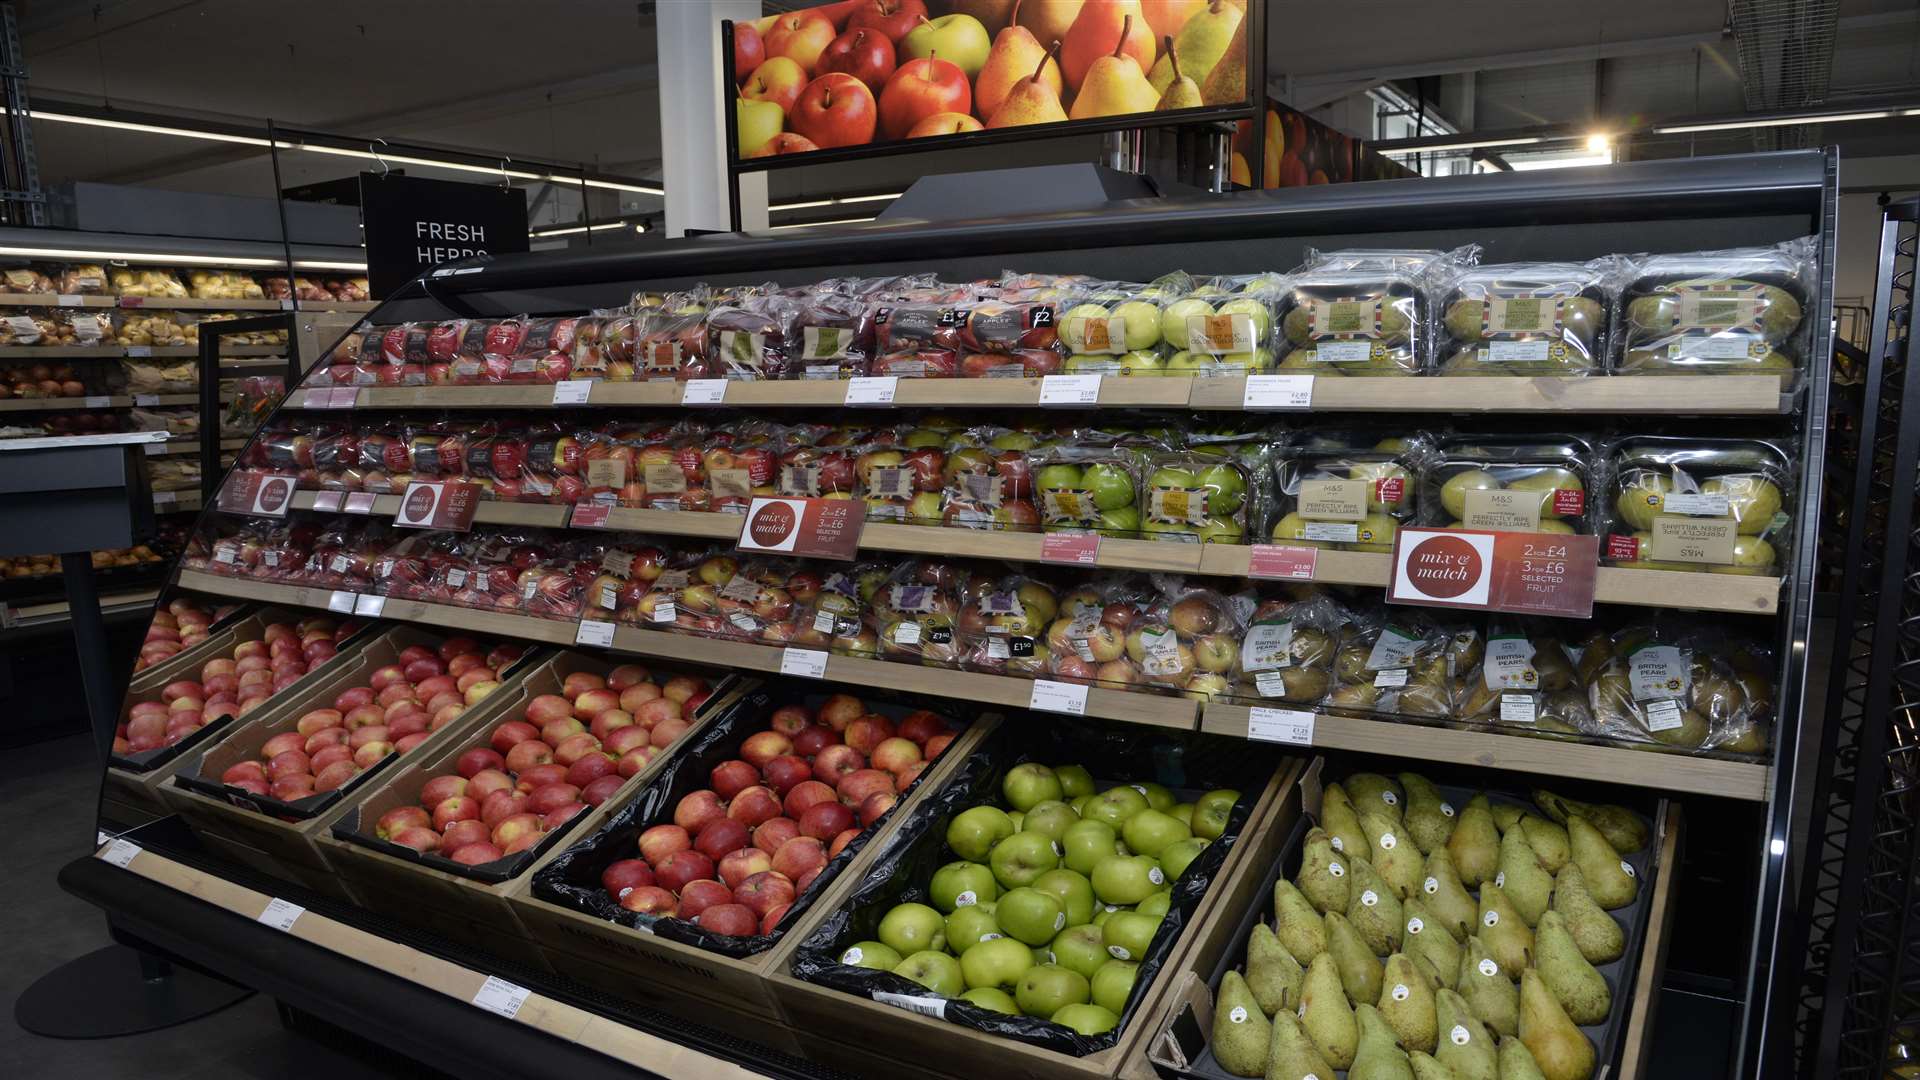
pixel 693 119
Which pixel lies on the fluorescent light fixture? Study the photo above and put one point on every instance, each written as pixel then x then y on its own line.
pixel 400 159
pixel 571 230
pixel 173 259
pixel 1564 161
pixel 147 129
pixel 815 224
pixel 1476 144
pixel 1599 143
pixel 1911 112
pixel 802 205
pixel 309 264
pixel 841 200
pixel 561 178
pixel 867 198
pixel 1781 121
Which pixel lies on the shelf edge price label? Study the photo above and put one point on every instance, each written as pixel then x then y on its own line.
pixel 256 494
pixel 1520 572
pixel 594 632
pixel 872 389
pixel 497 995
pixel 589 516
pixel 342 601
pixel 97 401
pixel 328 500
pixel 69 300
pixel 358 502
pixel 343 397
pixel 1070 390
pixel 139 350
pixel 280 914
pixel 816 528
pixel 440 505
pixel 1293 727
pixel 1060 697
pixel 572 391
pixel 370 605
pixel 1278 392
pixel 146 400
pixel 803 663
pixel 1070 548
pixel 120 852
pixel 706 392
pixel 1282 562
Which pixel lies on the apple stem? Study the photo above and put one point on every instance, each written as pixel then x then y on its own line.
pixel 1172 57
pixel 1126 27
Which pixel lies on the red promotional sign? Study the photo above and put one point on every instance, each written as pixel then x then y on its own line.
pixel 589 516
pixel 438 506
pixel 1072 548
pixel 1282 562
pixel 256 493
pixel 1522 572
pixel 818 528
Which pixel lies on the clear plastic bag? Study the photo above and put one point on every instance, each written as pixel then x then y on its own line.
pixel 1391 661
pixel 1527 318
pixel 1525 679
pixel 1735 312
pixel 1088 483
pixel 1288 649
pixel 1003 622
pixel 1225 326
pixel 1011 337
pixel 1673 688
pixel 1718 505
pixel 1202 495
pixel 915 614
pixel 753 337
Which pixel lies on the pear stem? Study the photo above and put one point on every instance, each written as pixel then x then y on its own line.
pixel 1041 68
pixel 1126 27
pixel 1172 57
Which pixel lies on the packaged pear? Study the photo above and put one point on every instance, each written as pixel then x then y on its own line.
pixel 1385 665
pixel 1478 482
pixel 1713 505
pixel 1740 311
pixel 1224 326
pixel 1354 500
pixel 1360 312
pixel 1526 319
pixel 1288 649
pixel 1675 689
pixel 1524 679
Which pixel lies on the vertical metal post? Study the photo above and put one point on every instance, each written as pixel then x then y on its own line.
pixel 280 204
pixel 586 207
pixel 22 174
pixel 90 641
pixel 695 119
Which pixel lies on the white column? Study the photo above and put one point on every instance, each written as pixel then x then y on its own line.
pixel 693 118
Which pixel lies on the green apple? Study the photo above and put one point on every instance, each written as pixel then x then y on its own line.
pixel 1020 858
pixel 1175 857
pixel 1256 313
pixel 1019 819
pixel 1050 819
pixel 1143 323
pixel 1155 906
pixel 1121 521
pixel 1048 988
pixel 959 39
pixel 1013 440
pixel 1169 478
pixel 1073 889
pixel 987 997
pixel 973 832
pixel 1210 812
pixel 1085 1018
pixel 1113 984
pixel 1075 780
pixel 996 964
pixel 1151 831
pixel 1173 320
pixel 959 884
pixel 934 970
pixel 1142 362
pixel 1115 805
pixel 1112 488
pixel 1080 802
pixel 1158 797
pixel 1187 362
pixel 756 123
pixel 1183 811
pixel 911 928
pixel 1226 488
pixel 923 439
pixel 871 954
pixel 1127 934
pixel 1028 785
pixel 1221 530
pixel 1080 948
pixel 1059 478
pixel 969 926
pixel 1031 915
pixel 1086 843
pixel 1073 325
pixel 1123 879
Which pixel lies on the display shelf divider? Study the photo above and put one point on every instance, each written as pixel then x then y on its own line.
pixel 1646 981
pixel 981 393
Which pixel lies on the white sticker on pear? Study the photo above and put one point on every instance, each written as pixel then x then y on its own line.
pixel 1629 869
pixel 1390 798
pixel 1489 968
pixel 1369 898
pixel 1460 1035
pixel 1492 918
pixel 1400 992
pixel 1446 808
pixel 1238 1015
pixel 1119 952
pixel 1388 842
pixel 1431 885
pixel 1336 870
pixel 1154 875
pixel 1500 880
pixel 1414 925
pixel 1338 846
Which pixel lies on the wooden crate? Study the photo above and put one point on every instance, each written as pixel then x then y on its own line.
pixel 686 980
pixel 416 891
pixel 871 1039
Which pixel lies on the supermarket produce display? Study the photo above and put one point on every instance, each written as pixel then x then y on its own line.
pixel 1095 755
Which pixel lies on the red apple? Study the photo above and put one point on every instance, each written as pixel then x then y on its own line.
pixel 461 833
pixel 527 755
pixel 553 732
pixel 666 732
pixel 857 785
pixel 478 759
pixel 894 18
pixel 840 710
pixel 753 806
pixel 720 836
pixel 865 54
pixel 737 866
pixel 769 835
pixel 939 743
pixel 625 875
pixel 919 89
pixel 790 720
pixel 550 797
pixel 676 870
pixel 636 759
pixel 547 708
pixel 589 768
pixel 580 682
pixel 921 726
pixel 561 815
pixel 501 805
pixel 814 738
pixel 837 761
pixel 730 778
pixel 800 36
pixel 650 900
pixel 762 747
pixel 538 777
pixel 417 837
pixel 748 50
pixel 824 821
pixel 696 808
pixel 764 891
pixel 594 702
pixel 660 841
pixel 868 732
pixel 874 806
pixel 798 856
pixel 786 772
pixel 779 79
pixel 574 747
pixel 637 695
pixel 512 733
pixel 729 920
pixel 602 788
pixel 400 818
pixel 513 827
pixel 458 808
pixel 836 109
pixel 840 842
pixel 477 854
pixel 807 794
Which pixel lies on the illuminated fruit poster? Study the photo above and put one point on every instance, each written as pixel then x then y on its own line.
pixel 1301 151
pixel 872 72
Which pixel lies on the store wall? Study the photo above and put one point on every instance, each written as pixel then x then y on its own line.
pixel 1864 179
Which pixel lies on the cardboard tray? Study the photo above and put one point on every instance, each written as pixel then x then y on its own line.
pixel 856 1032
pixel 247 625
pixel 1180 1048
pixel 423 889
pixel 662 963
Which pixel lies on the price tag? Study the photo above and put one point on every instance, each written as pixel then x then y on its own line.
pixel 154 449
pixel 1291 726
pixel 97 401
pixel 594 632
pixel 286 305
pixel 280 914
pixel 132 301
pixel 1049 696
pixel 328 501
pixel 803 663
pixel 1278 392
pixel 358 502
pixel 370 605
pixel 589 516
pixel 572 391
pixel 146 400
pixel 1516 709
pixel 1070 390
pixel 139 350
pixel 121 852
pixel 919 1003
pixel 1282 562
pixel 705 392
pixel 341 601
pixel 69 300
pixel 343 397
pixel 497 995
pixel 872 390
pixel 448 505
pixel 1071 548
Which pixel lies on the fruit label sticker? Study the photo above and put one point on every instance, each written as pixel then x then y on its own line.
pixel 704 392
pixel 256 493
pixel 1503 509
pixel 872 390
pixel 1072 548
pixel 802 480
pixel 906 633
pixel 1162 653
pixel 1000 603
pixel 1293 727
pixel 1238 1015
pixel 1520 315
pixel 1278 392
pixel 731 483
pixel 1227 333
pixel 979 487
pixel 1721 346
pixel 659 356
pixel 1106 336
pixel 607 472
pixel 1394 648
pixel 1723 308
pixel 1070 390
pixel 825 342
pixel 497 995
pixel 446 505
pixel 1693 540
pixel 890 482
pixel 1268 646
pixel 1179 506
pixel 742 347
pixel 1517 709
pixel 1509 663
pixel 1065 505
pixel 1282 562
pixel 1697 505
pixel 1657 672
pixel 815 528
pixel 595 633
pixel 1345 319
pixel 742 588
pixel 664 478
pixel 1341 352
pixel 1059 697
pixel 1510 352
pixel 925 1006
pixel 1664 716
pixel 572 391
pixel 1390 679
pixel 1333 500
pixel 280 914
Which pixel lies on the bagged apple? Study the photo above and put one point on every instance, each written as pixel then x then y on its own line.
pixel 1349 499
pixel 753 337
pixel 808 471
pixel 22 277
pixel 987 484
pixel 1114 328
pixel 1198 496
pixel 1716 505
pixel 834 325
pixel 1733 312
pixel 1478 482
pixel 1002 622
pixel 1223 327
pixel 670 341
pixel 740 460
pixel 1393 661
pixel 1186 638
pixel 1285 649
pixel 1087 641
pixel 1010 337
pixel 755 603
pixel 839 609
pixel 1668 686
pixel 1527 318
pixel 915 614
pixel 1361 312
pixel 1089 483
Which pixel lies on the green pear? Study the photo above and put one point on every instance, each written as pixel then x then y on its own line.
pixel 1227 82
pixel 1181 92
pixel 1325 1014
pixel 1600 938
pixel 1338 816
pixel 1323 873
pixel 1549 841
pixel 1516 1061
pixel 1465 1045
pixel 1292 1055
pixel 1507 815
pixel 1034 99
pixel 1503 930
pixel 1427 939
pixel 1428 814
pixel 1353 958
pixel 1406 1003
pixel 1475 843
pixel 1621 826
pixel 1201 42
pixel 1114 85
pixel 1241 1031
pixel 1578 988
pixel 1610 880
pixel 1447 898
pixel 1379 1056
pixel 1392 853
pixel 1296 924
pixel 1371 791
pixel 1374 910
pixel 1561 1050
pixel 1525 881
pixel 1272 973
pixel 1487 990
pixel 1425 1068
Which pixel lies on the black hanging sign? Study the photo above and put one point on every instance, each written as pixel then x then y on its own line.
pixel 413 225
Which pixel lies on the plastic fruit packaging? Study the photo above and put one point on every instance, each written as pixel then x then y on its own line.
pixel 917 340
pixel 808 471
pixel 1392 660
pixel 24 278
pixel 1716 505
pixel 1197 496
pixel 670 341
pixel 1360 312
pixel 915 614
pixel 835 329
pixel 986 483
pixel 1288 650
pixel 758 601
pixel 1734 312
pixel 753 337
pixel 1003 621
pixel 1486 483
pixel 898 484
pixel 1354 500
pixel 1525 679
pixel 672 470
pixel 1223 327
pixel 1114 328
pixel 1087 641
pixel 1679 690
pixel 1010 338
pixel 839 609
pixel 1185 638
pixel 1527 319
pixel 739 462
pixel 1091 483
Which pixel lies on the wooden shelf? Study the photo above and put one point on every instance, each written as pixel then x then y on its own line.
pixel 53 404
pixel 56 300
pixel 106 352
pixel 1671 772
pixel 176 502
